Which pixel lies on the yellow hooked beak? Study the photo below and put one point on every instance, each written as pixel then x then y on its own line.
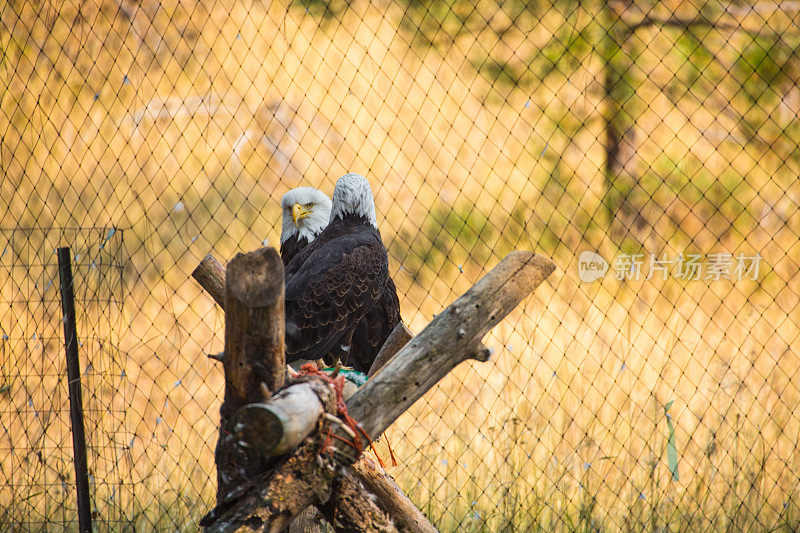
pixel 298 212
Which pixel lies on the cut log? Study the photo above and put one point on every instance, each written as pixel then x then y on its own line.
pixel 452 336
pixel 279 424
pixel 254 362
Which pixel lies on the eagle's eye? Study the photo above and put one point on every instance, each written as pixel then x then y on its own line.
pixel 309 205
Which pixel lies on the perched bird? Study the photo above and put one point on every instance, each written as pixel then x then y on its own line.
pixel 305 212
pixel 337 280
pixel 373 330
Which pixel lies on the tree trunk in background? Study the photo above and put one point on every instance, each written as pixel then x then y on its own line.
pixel 621 175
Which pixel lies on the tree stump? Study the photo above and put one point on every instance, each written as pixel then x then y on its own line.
pixel 254 360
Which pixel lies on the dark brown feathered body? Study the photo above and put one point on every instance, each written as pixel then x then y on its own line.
pixel 373 330
pixel 331 284
pixel 291 247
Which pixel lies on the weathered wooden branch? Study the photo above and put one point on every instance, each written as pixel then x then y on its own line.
pixel 450 338
pixel 350 503
pixel 406 515
pixel 398 338
pixel 210 274
pixel 254 356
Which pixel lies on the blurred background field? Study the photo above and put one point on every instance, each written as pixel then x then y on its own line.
pixel 147 134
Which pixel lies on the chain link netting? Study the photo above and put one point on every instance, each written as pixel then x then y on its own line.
pixel 651 149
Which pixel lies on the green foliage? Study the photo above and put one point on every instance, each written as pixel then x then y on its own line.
pixel 561 54
pixel 453 236
pixel 765 66
pixel 438 23
pixel 446 236
pixel 325 10
pixel 503 73
pixel 696 62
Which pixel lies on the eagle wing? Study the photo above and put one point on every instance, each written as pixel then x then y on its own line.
pixel 329 294
pixel 373 330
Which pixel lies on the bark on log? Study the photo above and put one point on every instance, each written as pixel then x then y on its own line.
pixel 254 356
pixel 398 338
pixel 309 521
pixel 306 478
pixel 450 338
pixel 277 496
pixel 391 498
pixel 210 274
pixel 352 509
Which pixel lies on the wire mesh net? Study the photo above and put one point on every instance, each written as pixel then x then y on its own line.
pixel 649 148
pixel 37 467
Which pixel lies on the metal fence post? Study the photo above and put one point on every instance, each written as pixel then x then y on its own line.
pixel 74 381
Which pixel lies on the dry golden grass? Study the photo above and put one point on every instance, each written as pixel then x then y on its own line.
pixel 184 122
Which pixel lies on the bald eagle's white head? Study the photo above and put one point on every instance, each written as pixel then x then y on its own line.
pixel 306 212
pixel 353 196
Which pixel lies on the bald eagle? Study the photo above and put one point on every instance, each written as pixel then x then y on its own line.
pixel 373 330
pixel 336 285
pixel 305 212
